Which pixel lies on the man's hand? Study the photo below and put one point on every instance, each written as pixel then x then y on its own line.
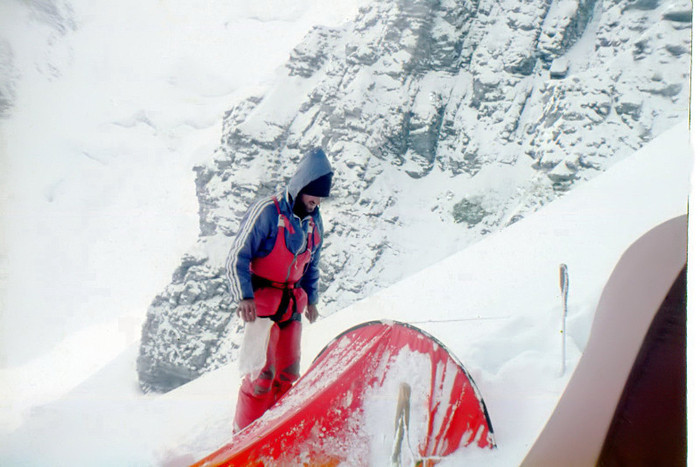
pixel 247 310
pixel 311 313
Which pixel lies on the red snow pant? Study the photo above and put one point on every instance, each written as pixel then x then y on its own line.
pixel 277 376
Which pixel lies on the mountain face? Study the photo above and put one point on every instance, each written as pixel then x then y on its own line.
pixel 444 121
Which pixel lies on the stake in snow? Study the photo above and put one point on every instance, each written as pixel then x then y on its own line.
pixel 564 287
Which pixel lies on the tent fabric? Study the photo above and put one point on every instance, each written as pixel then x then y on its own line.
pixel 638 285
pixel 322 420
pixel 649 426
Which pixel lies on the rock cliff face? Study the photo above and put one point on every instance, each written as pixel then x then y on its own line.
pixel 445 121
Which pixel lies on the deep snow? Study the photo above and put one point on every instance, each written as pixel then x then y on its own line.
pixel 115 103
pixel 501 318
pixel 98 205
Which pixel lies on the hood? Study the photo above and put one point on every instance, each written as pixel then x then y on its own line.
pixel 313 165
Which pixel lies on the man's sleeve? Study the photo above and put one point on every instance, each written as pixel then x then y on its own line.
pixel 309 282
pixel 250 236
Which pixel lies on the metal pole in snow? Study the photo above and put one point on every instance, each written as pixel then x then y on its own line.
pixel 403 414
pixel 564 287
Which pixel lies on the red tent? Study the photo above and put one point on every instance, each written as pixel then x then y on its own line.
pixel 377 392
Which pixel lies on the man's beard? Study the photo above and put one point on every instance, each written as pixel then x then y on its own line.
pixel 300 208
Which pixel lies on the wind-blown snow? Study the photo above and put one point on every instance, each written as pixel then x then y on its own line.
pixel 496 305
pixel 98 204
pixel 113 106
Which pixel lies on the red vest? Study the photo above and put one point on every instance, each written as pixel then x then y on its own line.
pixel 276 276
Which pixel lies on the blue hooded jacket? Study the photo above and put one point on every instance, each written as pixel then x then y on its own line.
pixel 258 231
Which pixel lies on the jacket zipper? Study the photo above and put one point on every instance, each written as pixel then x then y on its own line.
pixel 303 245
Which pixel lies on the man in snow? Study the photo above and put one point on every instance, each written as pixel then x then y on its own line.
pixel 273 270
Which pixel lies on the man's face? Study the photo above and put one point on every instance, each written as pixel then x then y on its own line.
pixel 310 202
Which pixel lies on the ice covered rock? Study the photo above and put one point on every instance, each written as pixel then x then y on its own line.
pixel 559 68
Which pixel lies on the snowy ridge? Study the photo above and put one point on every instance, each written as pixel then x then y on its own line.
pixel 495 305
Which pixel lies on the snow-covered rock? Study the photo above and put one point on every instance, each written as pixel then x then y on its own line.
pixel 443 123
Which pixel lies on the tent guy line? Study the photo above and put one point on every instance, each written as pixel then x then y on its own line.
pixel 482 318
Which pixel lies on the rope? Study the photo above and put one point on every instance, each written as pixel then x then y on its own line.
pixel 458 319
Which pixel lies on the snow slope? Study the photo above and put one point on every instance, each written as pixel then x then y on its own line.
pixel 112 111
pixel 496 305
pixel 114 103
